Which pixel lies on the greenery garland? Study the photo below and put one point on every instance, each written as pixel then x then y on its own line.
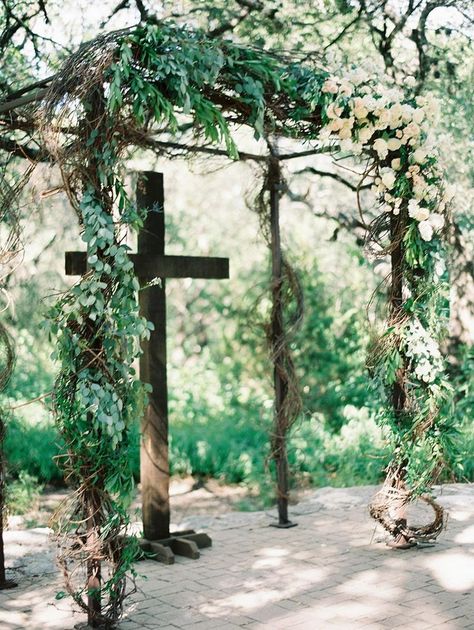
pixel 138 81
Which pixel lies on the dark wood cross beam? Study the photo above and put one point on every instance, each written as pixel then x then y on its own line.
pixel 151 262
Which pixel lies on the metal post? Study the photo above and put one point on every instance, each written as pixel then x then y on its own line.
pixel 277 336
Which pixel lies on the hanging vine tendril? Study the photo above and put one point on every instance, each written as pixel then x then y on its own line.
pixel 284 321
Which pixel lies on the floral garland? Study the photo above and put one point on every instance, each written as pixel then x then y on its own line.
pixel 393 130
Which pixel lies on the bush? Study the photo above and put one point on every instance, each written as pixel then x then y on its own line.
pixel 23 494
pixel 32 448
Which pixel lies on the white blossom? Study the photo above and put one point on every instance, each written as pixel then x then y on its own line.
pixel 415 211
pixel 380 145
pixel 426 230
pixel 424 352
pixel 419 156
pixel 388 179
pixel 365 134
pixel 396 164
pixel 436 221
pixel 356 76
pixel 393 144
pixel 449 192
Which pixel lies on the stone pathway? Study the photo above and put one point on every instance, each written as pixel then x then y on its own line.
pixel 332 571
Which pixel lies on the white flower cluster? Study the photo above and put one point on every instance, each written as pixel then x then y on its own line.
pixel 381 120
pixel 424 352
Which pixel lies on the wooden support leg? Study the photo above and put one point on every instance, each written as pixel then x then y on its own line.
pixel 4 583
pixel 93 570
pixel 185 543
pixel 282 483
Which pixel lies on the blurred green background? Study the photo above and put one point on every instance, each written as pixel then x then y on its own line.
pixel 220 374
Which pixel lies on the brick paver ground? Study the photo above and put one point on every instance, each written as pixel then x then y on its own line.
pixel 329 572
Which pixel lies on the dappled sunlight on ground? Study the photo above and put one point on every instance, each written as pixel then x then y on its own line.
pixel 326 573
pixel 466 537
pixel 453 570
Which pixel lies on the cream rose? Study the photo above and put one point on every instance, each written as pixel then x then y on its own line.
pixel 419 156
pixel 381 147
pixel 359 109
pixel 396 164
pixel 370 102
pixel 436 221
pixel 426 230
pixel 411 130
pixel 333 111
pixel 345 133
pixel 336 124
pixel 384 118
pixel 407 113
pixel 418 116
pixel 365 134
pixel 415 211
pixel 330 86
pixel 388 179
pixel 393 144
pixel 346 89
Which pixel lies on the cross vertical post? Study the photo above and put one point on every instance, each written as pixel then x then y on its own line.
pixel 151 262
pixel 154 465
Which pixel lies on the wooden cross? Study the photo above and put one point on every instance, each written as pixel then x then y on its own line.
pixel 151 262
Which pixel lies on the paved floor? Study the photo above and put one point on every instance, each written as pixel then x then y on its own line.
pixel 329 572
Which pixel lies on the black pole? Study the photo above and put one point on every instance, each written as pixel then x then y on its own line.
pixel 277 342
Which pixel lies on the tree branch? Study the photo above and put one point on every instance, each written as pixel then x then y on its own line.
pixel 230 25
pixel 335 176
pixel 37 95
pixel 16 149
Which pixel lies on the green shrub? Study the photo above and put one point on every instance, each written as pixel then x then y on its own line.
pixel 32 448
pixel 23 494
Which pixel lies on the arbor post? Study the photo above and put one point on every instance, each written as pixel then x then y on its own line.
pixel 277 342
pixel 4 583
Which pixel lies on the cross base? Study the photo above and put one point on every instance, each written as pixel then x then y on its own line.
pixel 185 543
pixel 284 525
pixel 6 584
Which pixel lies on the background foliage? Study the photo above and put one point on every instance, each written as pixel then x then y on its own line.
pixel 219 380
